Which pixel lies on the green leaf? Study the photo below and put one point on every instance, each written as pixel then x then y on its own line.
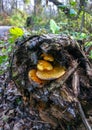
pixel 73 12
pixel 26 1
pixel 9 49
pixel 83 36
pixel 73 3
pixel 3 50
pixel 80 36
pixel 3 58
pixel 54 27
pixel 1 42
pixel 62 6
pixel 90 54
pixel 88 44
pixel 16 32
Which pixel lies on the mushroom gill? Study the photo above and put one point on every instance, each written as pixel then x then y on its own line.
pixel 55 73
pixel 44 65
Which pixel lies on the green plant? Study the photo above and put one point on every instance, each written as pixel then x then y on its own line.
pixel 15 32
pixel 54 27
pixel 26 1
pixel 90 54
pixel 18 18
pixel 7 47
pixel 5 50
pixel 80 36
pixel 89 45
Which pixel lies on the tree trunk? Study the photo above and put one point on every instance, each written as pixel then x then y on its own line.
pixel 1 6
pixel 37 4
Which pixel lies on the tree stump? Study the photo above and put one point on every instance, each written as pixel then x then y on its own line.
pixel 55 76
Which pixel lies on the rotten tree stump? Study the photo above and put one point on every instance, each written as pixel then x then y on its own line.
pixel 55 76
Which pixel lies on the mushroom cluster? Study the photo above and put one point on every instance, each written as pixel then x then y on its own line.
pixel 46 70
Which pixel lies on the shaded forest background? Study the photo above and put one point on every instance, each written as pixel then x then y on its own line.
pixel 71 17
pixel 67 13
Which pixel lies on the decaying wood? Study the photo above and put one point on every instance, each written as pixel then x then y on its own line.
pixel 75 84
pixel 60 81
pixel 58 101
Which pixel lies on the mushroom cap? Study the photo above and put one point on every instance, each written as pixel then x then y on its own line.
pixel 44 65
pixel 32 76
pixel 55 73
pixel 47 57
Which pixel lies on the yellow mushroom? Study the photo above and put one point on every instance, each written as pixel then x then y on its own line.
pixel 48 57
pixel 32 76
pixel 55 73
pixel 44 65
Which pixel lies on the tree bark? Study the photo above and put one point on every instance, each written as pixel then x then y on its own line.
pixel 37 4
pixel 1 6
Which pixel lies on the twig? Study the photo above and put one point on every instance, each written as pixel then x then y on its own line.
pixel 88 63
pixel 27 39
pixel 80 48
pixel 69 72
pixel 82 21
pixel 85 122
pixel 75 84
pixel 11 63
pixel 62 80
